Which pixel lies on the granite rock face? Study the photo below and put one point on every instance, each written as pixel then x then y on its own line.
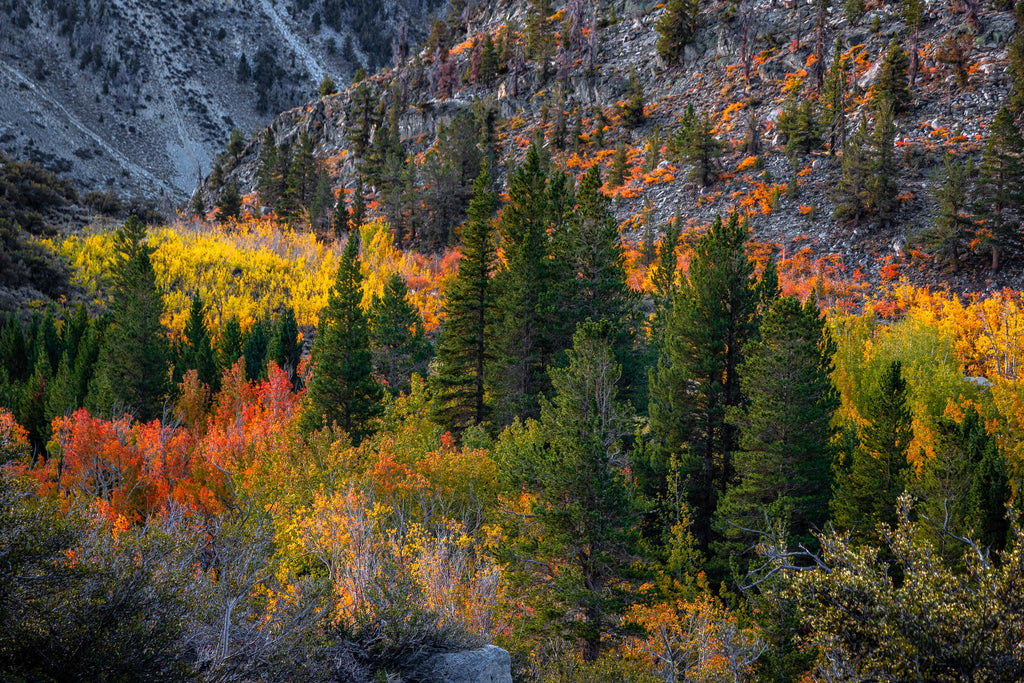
pixel 489 664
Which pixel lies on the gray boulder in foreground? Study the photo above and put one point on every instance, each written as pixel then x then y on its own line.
pixel 489 664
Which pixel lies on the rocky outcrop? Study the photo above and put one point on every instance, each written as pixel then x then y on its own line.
pixel 489 664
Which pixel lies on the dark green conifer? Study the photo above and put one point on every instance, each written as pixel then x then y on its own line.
pixel 254 349
pixel 617 174
pixel 868 484
pixel 465 348
pixel 697 378
pixel 633 107
pixel 342 389
pixel 397 340
pixel 284 347
pixel 695 144
pixel 783 460
pixel 676 28
pixel 951 234
pixel 133 363
pixel 580 538
pixel 892 85
pixel 1000 187
pixel 229 344
pixel 195 350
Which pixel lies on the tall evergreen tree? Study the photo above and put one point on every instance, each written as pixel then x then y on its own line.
pixel 272 170
pixel 783 460
pixel 465 347
pixel 867 486
pixel 965 485
pixel 14 349
pixel 397 340
pixel 600 290
pixel 520 361
pixel 195 350
pixel 633 108
pixel 833 100
pixel 893 85
pixel 696 144
pixel 713 318
pixel 665 279
pixel 133 360
pixel 850 194
pixel 229 344
pixel 883 170
pixel 342 389
pixel 284 347
pixel 954 228
pixel 254 349
pixel 358 216
pixel 1000 189
pixel 677 27
pixel 301 181
pixel 799 124
pixel 578 544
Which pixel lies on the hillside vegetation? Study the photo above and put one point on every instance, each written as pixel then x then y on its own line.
pixel 648 343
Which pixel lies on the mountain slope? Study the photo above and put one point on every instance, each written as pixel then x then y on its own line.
pixel 139 97
pixel 745 65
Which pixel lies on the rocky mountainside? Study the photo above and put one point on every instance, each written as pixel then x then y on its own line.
pixel 139 97
pixel 748 65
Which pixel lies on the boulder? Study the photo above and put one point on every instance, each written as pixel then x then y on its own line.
pixel 489 664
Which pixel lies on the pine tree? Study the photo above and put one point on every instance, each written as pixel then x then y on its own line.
pixel 695 143
pixel 954 227
pixel 783 460
pixel 14 349
pixel 271 170
pixel 322 201
pixel 301 180
pixel 397 340
pixel 229 344
pixel 236 143
pixel 284 348
pixel 195 350
pixel 867 486
pixel 599 289
pixel 339 223
pixel 30 411
pixel 892 85
pixel 488 61
pixel 1000 188
pixel 617 175
pixel 965 484
pixel 526 289
pixel 833 99
pixel 133 360
pixel 229 206
pixel 465 347
pixel 358 216
pixel 1015 52
pixel 360 119
pixel 664 279
pixel 254 349
pixel 342 389
pixel 633 108
pixel 581 534
pixel 850 194
pixel 677 28
pixel 713 317
pixel 881 185
pixel 798 124
pixel 61 394
pixel 327 87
